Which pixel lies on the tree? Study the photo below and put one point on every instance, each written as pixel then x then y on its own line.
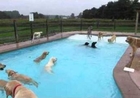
pixel 72 15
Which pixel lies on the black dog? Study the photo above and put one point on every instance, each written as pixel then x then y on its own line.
pixel 86 43
pixel 93 45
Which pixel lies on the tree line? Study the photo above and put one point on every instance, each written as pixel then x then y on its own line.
pixel 15 14
pixel 121 9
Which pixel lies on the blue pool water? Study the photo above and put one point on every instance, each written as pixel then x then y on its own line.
pixel 80 72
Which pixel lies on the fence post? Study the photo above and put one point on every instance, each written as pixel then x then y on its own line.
pixel 47 29
pixel 97 24
pixel 61 26
pixel 114 25
pixel 81 24
pixel 31 27
pixel 15 31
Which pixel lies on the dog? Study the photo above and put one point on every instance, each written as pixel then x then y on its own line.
pixel 2 66
pixel 100 36
pixel 89 35
pixel 12 75
pixel 112 39
pixel 50 64
pixel 15 89
pixel 36 35
pixel 93 45
pixel 134 43
pixel 2 85
pixel 43 56
pixel 86 44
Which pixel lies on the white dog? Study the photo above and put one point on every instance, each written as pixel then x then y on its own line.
pixel 36 35
pixel 50 64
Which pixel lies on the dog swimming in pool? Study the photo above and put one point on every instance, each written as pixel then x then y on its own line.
pixel 93 44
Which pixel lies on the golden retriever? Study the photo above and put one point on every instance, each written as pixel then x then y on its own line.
pixel 16 90
pixel 112 39
pixel 2 84
pixel 50 64
pixel 100 36
pixel 134 43
pixel 12 75
pixel 43 56
pixel 2 66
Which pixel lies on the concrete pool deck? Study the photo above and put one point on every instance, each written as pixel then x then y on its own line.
pixel 128 83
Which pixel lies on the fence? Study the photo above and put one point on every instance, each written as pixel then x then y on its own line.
pixel 14 31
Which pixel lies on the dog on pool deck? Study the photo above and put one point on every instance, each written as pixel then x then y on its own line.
pixel 50 64
pixel 112 39
pixel 43 56
pixel 12 75
pixel 134 43
pixel 2 85
pixel 15 89
pixel 2 66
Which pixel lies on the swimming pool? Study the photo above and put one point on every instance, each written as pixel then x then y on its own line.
pixel 80 72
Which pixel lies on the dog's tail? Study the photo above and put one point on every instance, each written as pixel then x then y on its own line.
pixel 34 83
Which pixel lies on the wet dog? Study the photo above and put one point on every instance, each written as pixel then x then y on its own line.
pixel 12 75
pixel 16 90
pixel 2 66
pixel 50 64
pixel 86 44
pixel 93 45
pixel 43 56
pixel 2 85
pixel 112 39
pixel 134 43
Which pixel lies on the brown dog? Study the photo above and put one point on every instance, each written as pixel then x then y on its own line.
pixel 2 66
pixel 2 84
pixel 43 56
pixel 134 43
pixel 15 89
pixel 100 36
pixel 112 39
pixel 12 75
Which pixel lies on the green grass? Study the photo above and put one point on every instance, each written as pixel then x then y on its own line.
pixel 7 33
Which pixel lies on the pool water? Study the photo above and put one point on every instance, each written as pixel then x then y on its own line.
pixel 80 71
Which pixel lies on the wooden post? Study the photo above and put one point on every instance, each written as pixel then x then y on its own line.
pixel 136 25
pixel 31 27
pixel 61 26
pixel 47 29
pixel 81 24
pixel 15 31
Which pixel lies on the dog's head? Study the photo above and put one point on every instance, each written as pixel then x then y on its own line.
pixel 10 86
pixel 2 66
pixel 53 59
pixel 86 43
pixel 129 39
pixel 93 44
pixel 45 53
pixel 10 72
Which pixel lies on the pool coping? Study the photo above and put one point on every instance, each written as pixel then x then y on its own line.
pixel 125 83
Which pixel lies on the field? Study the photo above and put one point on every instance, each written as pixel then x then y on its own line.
pixel 21 29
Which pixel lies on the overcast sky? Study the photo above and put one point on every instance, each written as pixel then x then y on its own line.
pixel 51 7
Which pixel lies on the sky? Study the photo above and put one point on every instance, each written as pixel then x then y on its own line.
pixel 50 7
